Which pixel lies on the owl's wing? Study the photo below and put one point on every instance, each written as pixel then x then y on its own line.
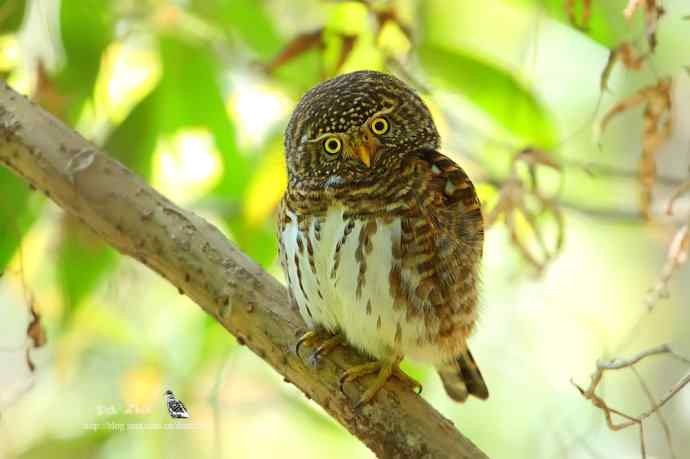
pixel 447 199
pixel 448 209
pixel 441 241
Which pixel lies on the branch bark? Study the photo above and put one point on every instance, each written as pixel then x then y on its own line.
pixel 196 258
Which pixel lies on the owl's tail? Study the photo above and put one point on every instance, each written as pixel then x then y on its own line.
pixel 462 377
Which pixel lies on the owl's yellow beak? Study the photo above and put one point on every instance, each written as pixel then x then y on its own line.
pixel 366 148
pixel 364 155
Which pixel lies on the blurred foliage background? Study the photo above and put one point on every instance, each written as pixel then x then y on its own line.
pixel 194 94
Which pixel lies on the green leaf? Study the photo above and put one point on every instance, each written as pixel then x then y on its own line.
pixel 606 24
pixel 259 243
pixel 602 27
pixel 18 211
pixel 12 15
pixel 248 19
pixel 252 26
pixel 82 261
pixel 494 90
pixel 134 141
pixel 87 29
pixel 190 95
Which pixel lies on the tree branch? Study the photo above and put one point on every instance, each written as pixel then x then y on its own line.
pixel 196 258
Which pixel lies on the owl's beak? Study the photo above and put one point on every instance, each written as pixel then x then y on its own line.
pixel 366 148
pixel 364 155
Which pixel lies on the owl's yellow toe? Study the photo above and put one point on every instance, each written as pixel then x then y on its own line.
pixel 383 370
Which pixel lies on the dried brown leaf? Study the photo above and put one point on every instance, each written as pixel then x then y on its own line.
pixel 653 11
pixel 626 104
pixel 297 46
pixel 512 205
pixel 658 124
pixel 677 256
pixel 35 330
pixel 346 48
pixel 606 73
pixel 391 15
pixel 628 55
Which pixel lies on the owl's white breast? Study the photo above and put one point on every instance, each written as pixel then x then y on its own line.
pixel 333 293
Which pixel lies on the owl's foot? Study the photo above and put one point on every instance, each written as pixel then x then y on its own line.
pixel 323 343
pixel 384 370
pixel 325 348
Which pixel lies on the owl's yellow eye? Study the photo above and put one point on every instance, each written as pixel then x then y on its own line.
pixel 332 145
pixel 379 126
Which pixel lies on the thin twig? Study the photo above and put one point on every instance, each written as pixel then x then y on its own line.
pixel 617 364
pixel 660 415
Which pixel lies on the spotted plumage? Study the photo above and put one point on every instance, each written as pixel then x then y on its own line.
pixel 380 234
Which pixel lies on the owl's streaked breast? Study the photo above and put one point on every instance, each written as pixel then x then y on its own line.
pixel 339 270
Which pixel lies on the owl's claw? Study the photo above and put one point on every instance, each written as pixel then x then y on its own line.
pixel 324 348
pixel 323 343
pixel 384 371
pixel 308 338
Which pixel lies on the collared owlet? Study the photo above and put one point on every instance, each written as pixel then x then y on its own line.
pixel 380 234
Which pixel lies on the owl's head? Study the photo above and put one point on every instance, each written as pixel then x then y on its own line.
pixel 353 128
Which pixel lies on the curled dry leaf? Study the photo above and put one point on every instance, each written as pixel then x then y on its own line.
pixel 658 124
pixel 36 334
pixel 391 15
pixel 653 11
pixel 677 257
pixel 512 205
pixel 384 13
pixel 306 42
pixel 16 374
pixel 628 55
pixel 295 48
pixel 35 330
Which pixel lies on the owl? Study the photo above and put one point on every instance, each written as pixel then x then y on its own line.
pixel 380 235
